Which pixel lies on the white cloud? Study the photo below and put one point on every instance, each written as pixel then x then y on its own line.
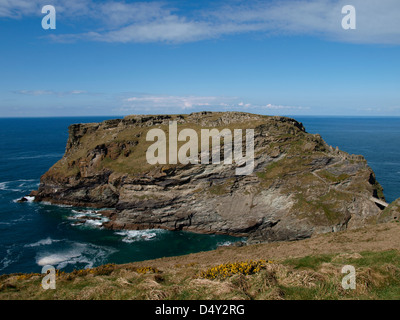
pixel 179 102
pixel 77 92
pixel 162 103
pixel 19 8
pixel 49 92
pixel 139 103
pixel 383 110
pixel 280 107
pixel 118 21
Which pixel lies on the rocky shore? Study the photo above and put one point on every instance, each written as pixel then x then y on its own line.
pixel 300 185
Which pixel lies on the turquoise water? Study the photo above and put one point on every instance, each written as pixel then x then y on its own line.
pixel 32 235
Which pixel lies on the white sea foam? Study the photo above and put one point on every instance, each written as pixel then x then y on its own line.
pixel 57 258
pixel 16 221
pixel 79 253
pixel 28 184
pixel 29 198
pixel 85 212
pixel 47 203
pixel 7 186
pixel 224 244
pixel 130 236
pixel 6 261
pixel 75 224
pixel 43 242
pixel 12 256
pixel 18 185
pixel 41 156
pixel 58 205
pixel 93 220
pixel 95 223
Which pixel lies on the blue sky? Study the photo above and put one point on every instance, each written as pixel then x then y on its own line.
pixel 270 57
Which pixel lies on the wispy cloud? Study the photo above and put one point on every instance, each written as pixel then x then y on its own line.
pixel 162 103
pixel 374 110
pixel 180 102
pixel 119 21
pixel 16 9
pixel 281 107
pixel 50 92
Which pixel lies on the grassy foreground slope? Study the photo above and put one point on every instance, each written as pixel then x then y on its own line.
pixel 305 269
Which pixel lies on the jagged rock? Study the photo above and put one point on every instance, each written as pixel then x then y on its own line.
pixel 300 185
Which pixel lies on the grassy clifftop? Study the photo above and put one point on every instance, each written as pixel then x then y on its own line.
pixel 122 143
pixel 306 269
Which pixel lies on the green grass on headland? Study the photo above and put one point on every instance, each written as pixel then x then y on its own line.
pixel 310 277
pixel 306 269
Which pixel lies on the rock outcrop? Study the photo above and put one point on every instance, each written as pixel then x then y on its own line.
pixel 391 213
pixel 300 185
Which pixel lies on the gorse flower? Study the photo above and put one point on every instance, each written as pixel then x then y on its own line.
pixel 147 269
pixel 229 269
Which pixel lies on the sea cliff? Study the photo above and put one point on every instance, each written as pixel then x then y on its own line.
pixel 300 185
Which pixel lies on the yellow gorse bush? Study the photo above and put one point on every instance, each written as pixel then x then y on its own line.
pixel 102 270
pixel 229 269
pixel 26 276
pixel 147 269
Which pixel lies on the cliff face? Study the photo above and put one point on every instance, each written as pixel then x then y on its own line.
pixel 300 185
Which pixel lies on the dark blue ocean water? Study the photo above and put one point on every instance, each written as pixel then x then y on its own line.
pixel 32 235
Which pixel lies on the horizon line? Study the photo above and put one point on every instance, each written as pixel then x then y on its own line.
pixel 180 113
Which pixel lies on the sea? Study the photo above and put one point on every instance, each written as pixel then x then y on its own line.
pixel 36 234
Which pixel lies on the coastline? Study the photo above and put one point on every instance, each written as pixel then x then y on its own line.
pixel 315 262
pixel 23 219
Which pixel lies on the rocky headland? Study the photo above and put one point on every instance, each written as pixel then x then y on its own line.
pixel 300 186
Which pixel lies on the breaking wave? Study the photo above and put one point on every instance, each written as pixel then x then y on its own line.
pixel 88 255
pixel 43 242
pixel 28 198
pixel 224 244
pixel 87 218
pixel 130 236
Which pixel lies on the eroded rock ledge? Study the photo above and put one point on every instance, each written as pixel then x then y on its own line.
pixel 300 185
